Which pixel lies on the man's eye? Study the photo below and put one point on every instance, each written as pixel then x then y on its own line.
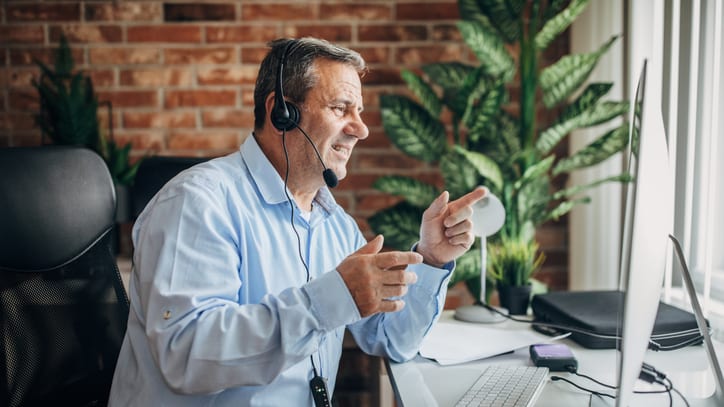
pixel 339 109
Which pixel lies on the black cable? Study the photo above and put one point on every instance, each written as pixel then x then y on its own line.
pixel 299 239
pixel 574 384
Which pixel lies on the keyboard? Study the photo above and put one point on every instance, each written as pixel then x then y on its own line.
pixel 506 386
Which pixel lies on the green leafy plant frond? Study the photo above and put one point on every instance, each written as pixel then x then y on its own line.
pixel 416 192
pixel 400 224
pixel 424 92
pixel 561 79
pixel 559 23
pixel 513 262
pixel 489 49
pixel 411 128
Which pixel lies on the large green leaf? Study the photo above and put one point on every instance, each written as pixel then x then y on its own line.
pixel 577 189
pixel 489 49
pixel 535 171
pixel 561 79
pixel 597 151
pixel 504 15
pixel 411 128
pixel 470 11
pixel 399 224
pixel 485 167
pixel 559 23
pixel 589 97
pixel 598 114
pixel 425 94
pixel 482 100
pixel 414 191
pixel 460 177
pixel 447 75
pixel 565 207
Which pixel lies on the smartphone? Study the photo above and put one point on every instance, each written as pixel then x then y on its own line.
pixel 555 356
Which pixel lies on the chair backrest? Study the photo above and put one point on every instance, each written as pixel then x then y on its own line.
pixel 63 307
pixel 153 173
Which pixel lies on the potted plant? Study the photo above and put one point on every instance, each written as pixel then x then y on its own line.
pixel 513 263
pixel 484 140
pixel 69 116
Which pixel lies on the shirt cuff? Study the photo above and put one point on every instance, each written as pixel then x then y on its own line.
pixel 330 301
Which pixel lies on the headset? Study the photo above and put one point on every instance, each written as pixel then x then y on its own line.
pixel 285 115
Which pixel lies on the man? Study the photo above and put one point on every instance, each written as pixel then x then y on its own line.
pixel 231 302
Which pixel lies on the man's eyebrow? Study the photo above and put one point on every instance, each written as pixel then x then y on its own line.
pixel 348 102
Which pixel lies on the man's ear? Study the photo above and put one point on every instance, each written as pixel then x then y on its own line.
pixel 268 105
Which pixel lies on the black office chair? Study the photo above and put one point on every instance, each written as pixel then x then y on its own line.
pixel 63 307
pixel 153 173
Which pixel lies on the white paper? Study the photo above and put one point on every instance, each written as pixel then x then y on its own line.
pixel 449 343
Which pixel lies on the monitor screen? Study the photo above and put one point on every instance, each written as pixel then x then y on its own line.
pixel 648 221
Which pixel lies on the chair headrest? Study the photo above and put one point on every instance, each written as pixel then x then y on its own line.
pixel 55 202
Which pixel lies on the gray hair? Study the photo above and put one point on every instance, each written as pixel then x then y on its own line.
pixel 299 75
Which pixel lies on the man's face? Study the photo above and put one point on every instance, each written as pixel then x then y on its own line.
pixel 331 117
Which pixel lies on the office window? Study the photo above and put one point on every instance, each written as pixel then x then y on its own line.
pixel 693 107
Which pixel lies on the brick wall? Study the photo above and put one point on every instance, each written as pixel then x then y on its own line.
pixel 180 75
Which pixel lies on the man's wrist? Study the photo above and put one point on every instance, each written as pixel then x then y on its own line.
pixel 427 258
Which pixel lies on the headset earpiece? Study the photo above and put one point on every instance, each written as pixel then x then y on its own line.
pixel 284 115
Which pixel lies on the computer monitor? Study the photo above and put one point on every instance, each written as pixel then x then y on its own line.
pixel 648 221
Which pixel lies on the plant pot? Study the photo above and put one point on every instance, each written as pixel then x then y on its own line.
pixel 515 298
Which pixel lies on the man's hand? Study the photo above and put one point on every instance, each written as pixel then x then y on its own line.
pixel 446 229
pixel 373 277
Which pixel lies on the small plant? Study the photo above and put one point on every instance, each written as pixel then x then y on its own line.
pixel 514 262
pixel 68 104
pixel 69 114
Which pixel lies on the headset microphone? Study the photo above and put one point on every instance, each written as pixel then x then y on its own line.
pixel 285 117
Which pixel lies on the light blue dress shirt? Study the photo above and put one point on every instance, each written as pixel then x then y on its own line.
pixel 221 310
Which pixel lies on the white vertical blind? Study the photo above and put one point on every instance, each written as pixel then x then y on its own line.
pixel 595 229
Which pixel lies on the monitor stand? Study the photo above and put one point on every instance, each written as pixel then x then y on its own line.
pixel 479 314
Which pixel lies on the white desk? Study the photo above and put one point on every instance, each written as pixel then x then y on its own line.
pixel 421 382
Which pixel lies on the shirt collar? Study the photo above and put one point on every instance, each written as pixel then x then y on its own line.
pixel 268 181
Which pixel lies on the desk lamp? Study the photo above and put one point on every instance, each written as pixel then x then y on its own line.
pixel 488 217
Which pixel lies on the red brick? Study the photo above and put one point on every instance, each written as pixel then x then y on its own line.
pixel 20 77
pixel 26 139
pixel 86 33
pixel 247 96
pixel 25 34
pixel 235 118
pixel 241 34
pixel 236 75
pixel 279 12
pixel 45 55
pixel 102 78
pixel 386 162
pixel 445 32
pixel 156 77
pixel 43 12
pixel 123 56
pixel 124 11
pixel 23 99
pixel 363 12
pixel 20 121
pixel 392 32
pixel 147 140
pixel 374 55
pixel 130 98
pixel 164 33
pixel 204 140
pixel 191 98
pixel 253 55
pixel 215 55
pixel 333 33
pixel 160 119
pixel 429 53
pixel 427 11
pixel 198 12
pixel 382 76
